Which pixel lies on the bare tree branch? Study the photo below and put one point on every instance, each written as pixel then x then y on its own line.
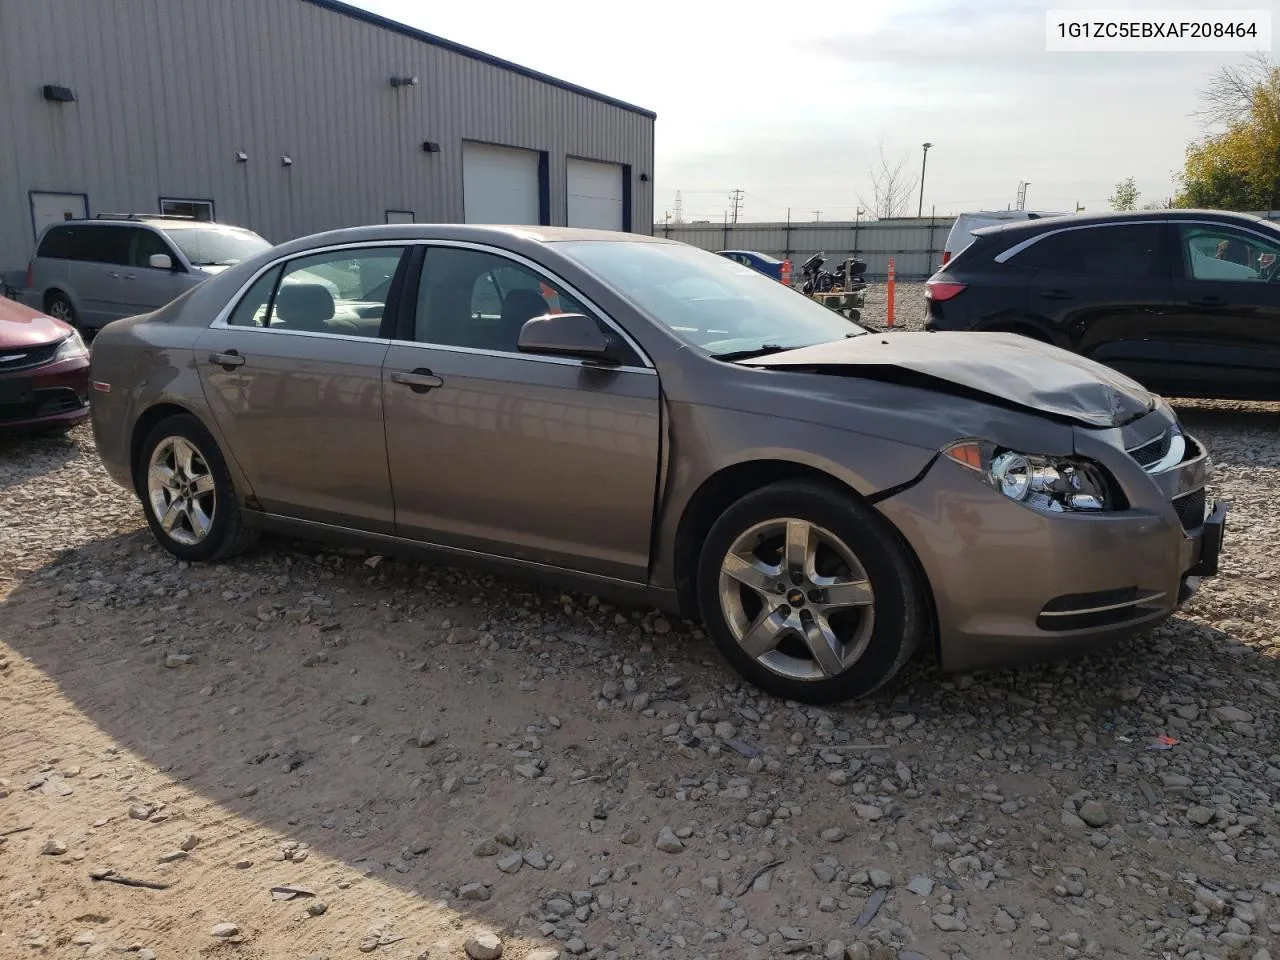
pixel 891 188
pixel 1229 96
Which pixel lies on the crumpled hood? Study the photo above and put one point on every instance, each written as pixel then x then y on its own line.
pixel 1005 366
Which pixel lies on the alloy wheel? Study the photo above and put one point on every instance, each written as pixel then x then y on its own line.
pixel 181 489
pixel 796 599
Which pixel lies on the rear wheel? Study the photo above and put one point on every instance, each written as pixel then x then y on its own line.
pixel 809 594
pixel 187 494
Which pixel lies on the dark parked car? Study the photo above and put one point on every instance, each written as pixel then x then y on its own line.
pixel 44 370
pixel 1187 301
pixel 769 266
pixel 640 417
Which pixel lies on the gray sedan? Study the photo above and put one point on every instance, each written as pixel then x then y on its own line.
pixel 648 421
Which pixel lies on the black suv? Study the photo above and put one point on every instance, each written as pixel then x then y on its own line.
pixel 1187 302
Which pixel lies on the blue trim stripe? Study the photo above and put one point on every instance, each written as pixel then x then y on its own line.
pixel 407 31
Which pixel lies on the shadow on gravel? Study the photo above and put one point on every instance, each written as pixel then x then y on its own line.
pixel 26 455
pixel 361 711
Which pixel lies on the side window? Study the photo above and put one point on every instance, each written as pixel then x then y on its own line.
pixel 60 243
pixel 341 292
pixel 111 244
pixel 1220 253
pixel 1102 251
pixel 252 309
pixel 145 243
pixel 468 298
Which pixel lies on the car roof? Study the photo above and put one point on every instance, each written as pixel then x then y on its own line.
pixel 505 235
pixel 1022 228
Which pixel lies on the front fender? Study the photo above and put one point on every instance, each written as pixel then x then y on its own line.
pixel 707 441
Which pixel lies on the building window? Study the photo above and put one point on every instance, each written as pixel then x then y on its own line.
pixel 400 216
pixel 195 209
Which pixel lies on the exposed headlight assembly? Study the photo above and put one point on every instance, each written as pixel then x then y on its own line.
pixel 71 348
pixel 1048 484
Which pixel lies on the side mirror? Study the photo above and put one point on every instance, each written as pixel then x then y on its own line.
pixel 160 261
pixel 566 335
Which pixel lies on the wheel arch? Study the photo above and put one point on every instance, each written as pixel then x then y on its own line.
pixel 731 483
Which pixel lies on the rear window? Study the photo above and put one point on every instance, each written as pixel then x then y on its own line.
pixel 1106 251
pixel 89 242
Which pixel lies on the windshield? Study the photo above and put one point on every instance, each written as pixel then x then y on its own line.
pixel 217 247
pixel 709 301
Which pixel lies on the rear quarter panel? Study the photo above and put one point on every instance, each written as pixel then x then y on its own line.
pixel 148 362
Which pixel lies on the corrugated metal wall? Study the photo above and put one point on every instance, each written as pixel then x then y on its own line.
pixel 169 90
pixel 915 245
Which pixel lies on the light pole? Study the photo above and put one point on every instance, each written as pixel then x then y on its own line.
pixel 923 161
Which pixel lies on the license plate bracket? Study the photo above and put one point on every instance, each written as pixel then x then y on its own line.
pixel 14 392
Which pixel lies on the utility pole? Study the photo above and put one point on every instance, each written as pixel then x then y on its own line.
pixel 923 162
pixel 817 216
pixel 735 198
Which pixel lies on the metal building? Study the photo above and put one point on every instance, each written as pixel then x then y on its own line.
pixel 291 117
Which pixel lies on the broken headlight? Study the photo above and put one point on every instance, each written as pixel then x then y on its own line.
pixel 1049 484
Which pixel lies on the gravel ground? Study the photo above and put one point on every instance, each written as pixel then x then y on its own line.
pixel 432 758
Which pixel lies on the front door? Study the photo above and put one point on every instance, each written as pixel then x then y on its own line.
pixel 542 459
pixel 1108 289
pixel 294 378
pixel 1225 332
pixel 143 287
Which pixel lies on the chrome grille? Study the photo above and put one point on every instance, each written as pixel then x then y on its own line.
pixel 24 358
pixel 1153 450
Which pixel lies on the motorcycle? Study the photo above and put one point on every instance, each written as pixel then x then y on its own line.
pixel 818 280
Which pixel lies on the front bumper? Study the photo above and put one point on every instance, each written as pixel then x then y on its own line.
pixel 1012 585
pixel 52 395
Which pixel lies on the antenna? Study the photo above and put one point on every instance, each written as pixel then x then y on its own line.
pixel 735 199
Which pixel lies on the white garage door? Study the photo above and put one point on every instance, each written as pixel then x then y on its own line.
pixel 595 194
pixel 499 184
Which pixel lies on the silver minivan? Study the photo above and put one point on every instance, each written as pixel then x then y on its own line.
pixel 90 272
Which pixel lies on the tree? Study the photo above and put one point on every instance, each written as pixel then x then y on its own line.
pixel 1236 165
pixel 891 188
pixel 1126 195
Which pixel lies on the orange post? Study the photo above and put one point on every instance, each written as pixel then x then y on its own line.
pixel 889 307
pixel 786 273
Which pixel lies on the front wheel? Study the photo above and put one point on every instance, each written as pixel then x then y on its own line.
pixel 810 594
pixel 187 493
pixel 59 307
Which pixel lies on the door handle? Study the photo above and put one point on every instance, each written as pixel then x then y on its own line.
pixel 113 275
pixel 130 276
pixel 229 359
pixel 419 381
pixel 1056 294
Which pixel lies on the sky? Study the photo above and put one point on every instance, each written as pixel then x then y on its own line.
pixel 794 107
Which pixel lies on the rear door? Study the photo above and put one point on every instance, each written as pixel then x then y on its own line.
pixel 1225 332
pixel 1106 289
pixel 293 375
pixel 542 459
pixel 102 253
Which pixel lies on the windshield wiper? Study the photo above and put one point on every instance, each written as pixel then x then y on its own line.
pixel 761 351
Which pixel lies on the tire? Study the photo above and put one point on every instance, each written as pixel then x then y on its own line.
pixel 198 496
pixel 59 306
pixel 877 622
